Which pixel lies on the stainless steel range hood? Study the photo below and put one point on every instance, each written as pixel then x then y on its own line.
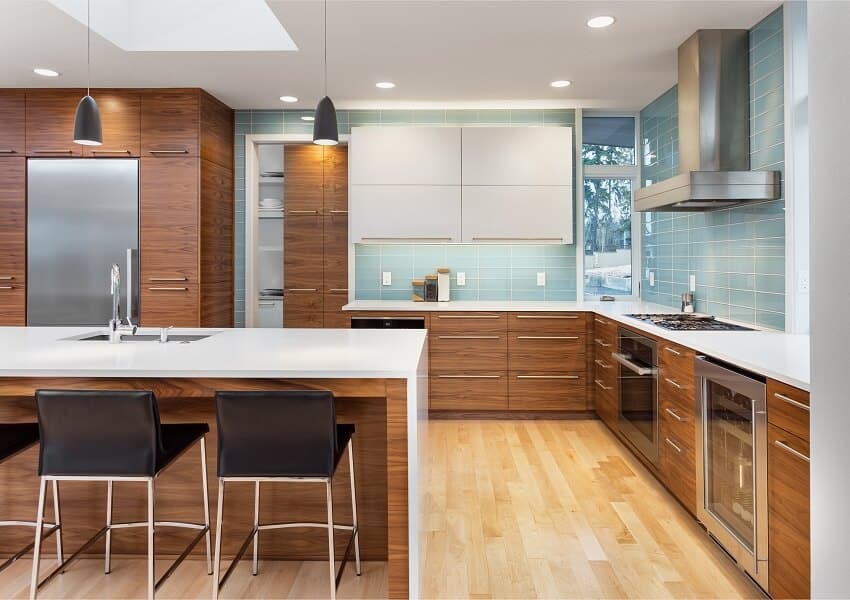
pixel 714 130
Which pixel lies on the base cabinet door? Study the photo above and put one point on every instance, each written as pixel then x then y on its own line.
pixel 303 309
pixel 530 391
pixel 170 305
pixel 789 572
pixel 460 391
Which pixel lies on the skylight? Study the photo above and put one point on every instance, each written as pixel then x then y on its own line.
pixel 183 25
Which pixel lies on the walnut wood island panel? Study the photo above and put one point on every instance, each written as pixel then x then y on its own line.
pixel 385 398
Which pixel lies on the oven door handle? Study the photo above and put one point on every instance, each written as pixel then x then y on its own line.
pixel 626 361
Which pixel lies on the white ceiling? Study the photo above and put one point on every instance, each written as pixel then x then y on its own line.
pixel 449 54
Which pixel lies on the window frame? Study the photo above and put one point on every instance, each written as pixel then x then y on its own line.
pixel 631 172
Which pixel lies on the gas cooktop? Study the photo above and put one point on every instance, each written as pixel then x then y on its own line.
pixel 689 322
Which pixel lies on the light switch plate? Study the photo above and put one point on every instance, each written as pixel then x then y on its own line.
pixel 387 278
pixel 652 279
pixel 692 283
pixel 461 278
pixel 803 281
pixel 541 278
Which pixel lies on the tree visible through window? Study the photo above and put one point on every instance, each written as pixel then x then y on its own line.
pixel 607 236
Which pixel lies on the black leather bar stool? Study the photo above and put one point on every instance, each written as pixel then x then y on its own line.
pixel 15 438
pixel 282 436
pixel 113 436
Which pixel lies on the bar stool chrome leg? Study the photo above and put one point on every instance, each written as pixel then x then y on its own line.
pixel 354 508
pixel 255 565
pixel 206 503
pixel 56 516
pixel 331 559
pixel 218 535
pixel 107 566
pixel 36 553
pixel 151 554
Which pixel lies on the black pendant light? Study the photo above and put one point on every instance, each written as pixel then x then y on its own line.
pixel 325 130
pixel 87 128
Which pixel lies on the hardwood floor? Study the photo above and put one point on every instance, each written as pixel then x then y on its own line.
pixel 516 509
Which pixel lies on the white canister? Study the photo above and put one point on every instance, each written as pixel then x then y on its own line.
pixel 443 284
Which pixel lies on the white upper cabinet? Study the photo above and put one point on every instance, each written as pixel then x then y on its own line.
pixel 517 156
pixel 405 156
pixel 404 213
pixel 517 214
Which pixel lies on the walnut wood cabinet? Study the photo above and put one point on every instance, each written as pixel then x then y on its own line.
pixel 120 116
pixel 12 123
pixel 605 384
pixel 13 226
pixel 50 122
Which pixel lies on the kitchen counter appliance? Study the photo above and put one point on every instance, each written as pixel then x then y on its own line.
pixel 638 380
pixel 688 322
pixel 731 455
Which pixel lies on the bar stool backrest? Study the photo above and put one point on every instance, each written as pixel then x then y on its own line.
pixel 97 433
pixel 286 433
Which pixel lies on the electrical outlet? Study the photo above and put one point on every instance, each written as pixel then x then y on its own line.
pixel 461 278
pixel 541 278
pixel 692 283
pixel 803 281
pixel 652 279
pixel 387 278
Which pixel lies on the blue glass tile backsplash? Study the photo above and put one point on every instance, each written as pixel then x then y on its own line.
pixel 738 254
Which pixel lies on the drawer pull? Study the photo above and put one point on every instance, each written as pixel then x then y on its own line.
pixel 672 351
pixel 302 212
pixel 602 385
pixel 338 212
pixel 469 316
pixel 673 383
pixel 111 152
pixel 7 287
pixel 6 278
pixel 547 337
pixel 168 279
pixel 469 376
pixel 412 238
pixel 602 363
pixel 302 289
pixel 338 290
pixel 791 401
pixel 168 289
pixel 8 151
pixel 266 304
pixel 184 151
pixel 675 415
pixel 601 343
pixel 468 337
pixel 54 152
pixel 547 317
pixel 547 376
pixel 790 450
pixel 673 445
pixel 600 321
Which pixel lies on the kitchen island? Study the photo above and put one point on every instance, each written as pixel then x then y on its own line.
pixel 378 377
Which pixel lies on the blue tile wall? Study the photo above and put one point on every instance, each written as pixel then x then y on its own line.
pixel 493 272
pixel 737 255
pixel 289 121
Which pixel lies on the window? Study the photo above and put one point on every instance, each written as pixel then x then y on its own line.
pixel 610 176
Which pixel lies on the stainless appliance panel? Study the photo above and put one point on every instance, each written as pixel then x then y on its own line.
pixel 637 359
pixel 731 457
pixel 82 217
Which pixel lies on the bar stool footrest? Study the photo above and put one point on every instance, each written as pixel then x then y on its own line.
pixel 51 529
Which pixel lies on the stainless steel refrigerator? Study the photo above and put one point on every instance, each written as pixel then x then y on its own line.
pixel 82 217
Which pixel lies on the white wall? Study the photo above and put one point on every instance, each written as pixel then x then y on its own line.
pixel 829 89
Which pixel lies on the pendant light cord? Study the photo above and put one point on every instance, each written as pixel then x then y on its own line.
pixel 88 47
pixel 326 45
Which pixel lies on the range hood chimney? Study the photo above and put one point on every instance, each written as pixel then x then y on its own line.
pixel 714 130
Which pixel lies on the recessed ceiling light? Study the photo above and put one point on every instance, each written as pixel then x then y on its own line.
pixel 288 99
pixel 45 72
pixel 385 85
pixel 308 118
pixel 560 83
pixel 600 22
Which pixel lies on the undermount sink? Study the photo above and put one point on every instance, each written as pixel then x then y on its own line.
pixel 147 337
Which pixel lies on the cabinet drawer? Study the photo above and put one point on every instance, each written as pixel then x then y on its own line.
pixel 604 327
pixel 170 121
pixel 542 323
pixel 170 304
pixel 677 359
pixel 469 391
pixel 468 352
pixel 677 389
pixel 469 323
pixel 788 487
pixel 547 353
pixel 13 304
pixel 604 345
pixel 606 405
pixel 677 464
pixel 788 408
pixel 678 424
pixel 535 390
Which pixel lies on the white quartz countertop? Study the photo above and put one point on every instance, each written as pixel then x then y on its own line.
pixel 237 353
pixel 775 354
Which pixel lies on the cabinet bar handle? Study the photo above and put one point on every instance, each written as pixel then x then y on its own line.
pixel 8 151
pixel 673 383
pixel 547 317
pixel 547 376
pixel 672 351
pixel 338 212
pixel 53 151
pixel 469 376
pixel 602 321
pixel 602 363
pixel 303 212
pixel 602 385
pixel 168 289
pixel 791 401
pixel 487 239
pixel 265 304
pixel 6 278
pixel 789 449
pixel 7 287
pixel 338 290
pixel 407 238
pixel 674 446
pixel 184 151
pixel 111 152
pixel 168 279
pixel 673 414
pixel 469 316
pixel 547 337
pixel 601 343
pixel 302 290
pixel 468 337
